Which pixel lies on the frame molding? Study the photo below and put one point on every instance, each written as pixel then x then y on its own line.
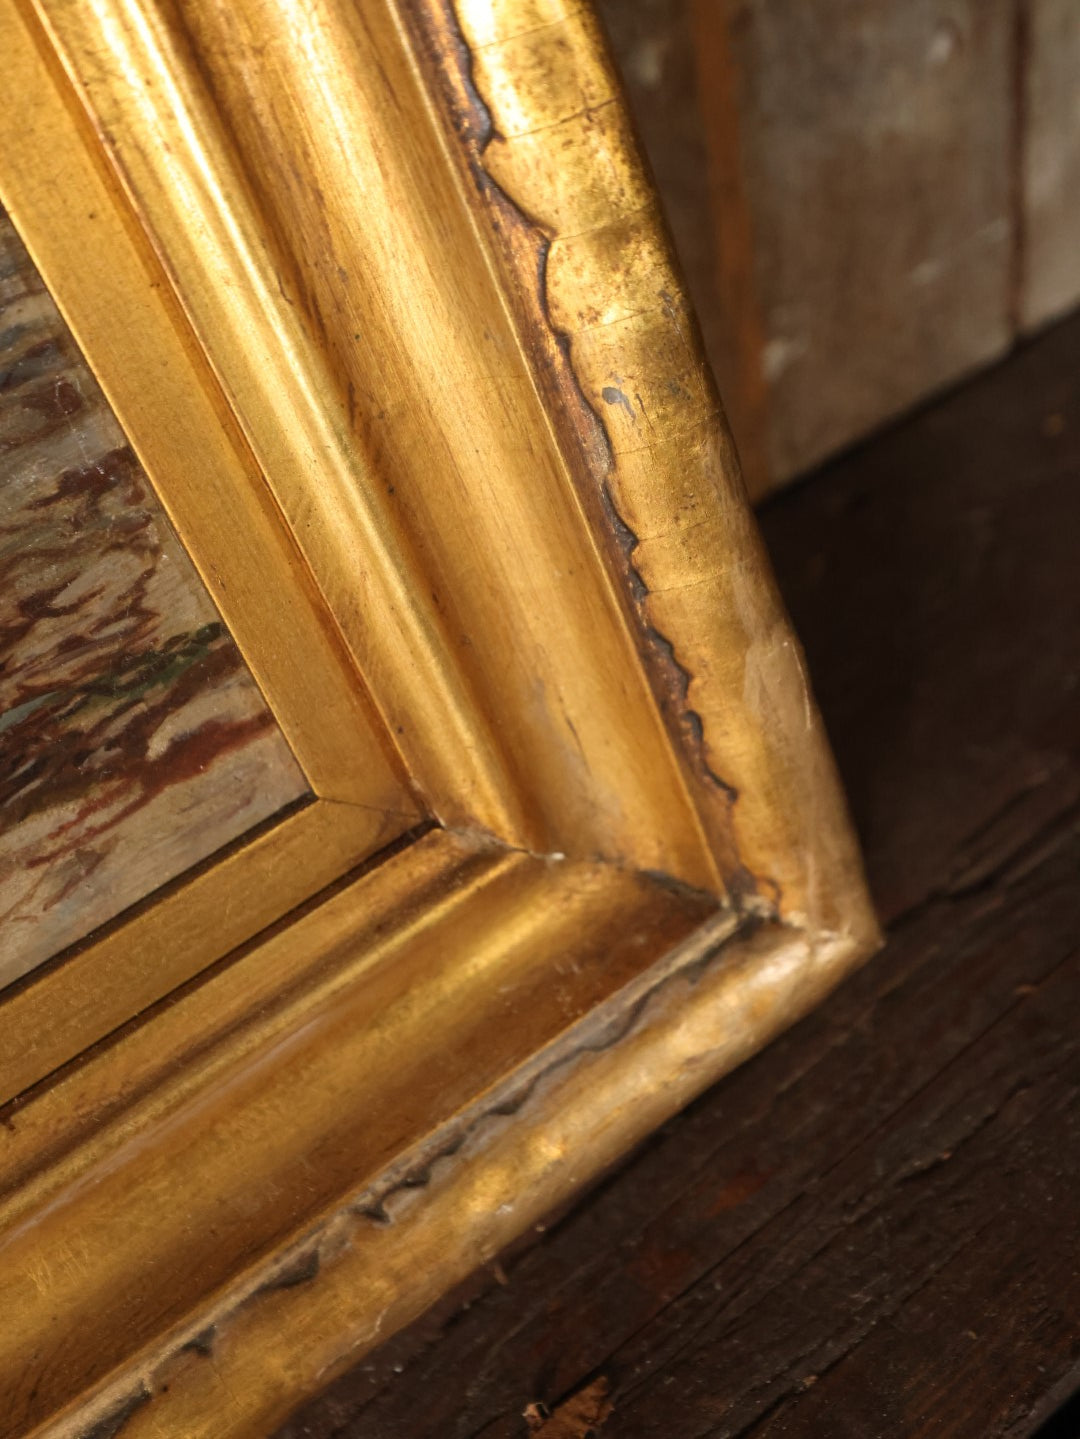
pixel 529 91
pixel 61 1009
pixel 414 295
pixel 311 1242
pixel 353 397
pixel 111 293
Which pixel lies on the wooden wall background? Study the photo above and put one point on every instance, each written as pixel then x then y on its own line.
pixel 871 198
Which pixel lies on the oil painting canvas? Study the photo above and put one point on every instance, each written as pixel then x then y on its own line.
pixel 134 742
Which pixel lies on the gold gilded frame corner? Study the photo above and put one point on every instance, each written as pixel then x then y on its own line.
pixel 107 284
pixel 410 282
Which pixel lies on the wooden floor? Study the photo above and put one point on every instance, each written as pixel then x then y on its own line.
pixel 872 1229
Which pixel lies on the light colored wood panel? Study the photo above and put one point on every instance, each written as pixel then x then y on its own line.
pixel 876 144
pixel 1051 159
pixel 860 193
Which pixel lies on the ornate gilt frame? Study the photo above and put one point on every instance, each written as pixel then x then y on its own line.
pixel 467 501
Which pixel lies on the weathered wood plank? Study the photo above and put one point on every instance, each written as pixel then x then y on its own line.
pixel 859 190
pixel 876 147
pixel 811 1248
pixel 1050 63
pixel 685 105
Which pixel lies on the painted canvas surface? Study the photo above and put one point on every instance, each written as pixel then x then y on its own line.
pixel 133 741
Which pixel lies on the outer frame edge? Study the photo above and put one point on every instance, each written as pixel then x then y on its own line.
pixel 391 1250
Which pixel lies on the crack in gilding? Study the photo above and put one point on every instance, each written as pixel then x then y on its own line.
pixel 477 127
pixel 417 1173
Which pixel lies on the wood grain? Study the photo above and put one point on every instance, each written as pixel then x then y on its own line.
pixel 1050 75
pixel 867 1230
pixel 839 176
pixel 685 106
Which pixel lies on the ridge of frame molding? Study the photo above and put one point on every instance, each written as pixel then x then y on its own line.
pixel 416 264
